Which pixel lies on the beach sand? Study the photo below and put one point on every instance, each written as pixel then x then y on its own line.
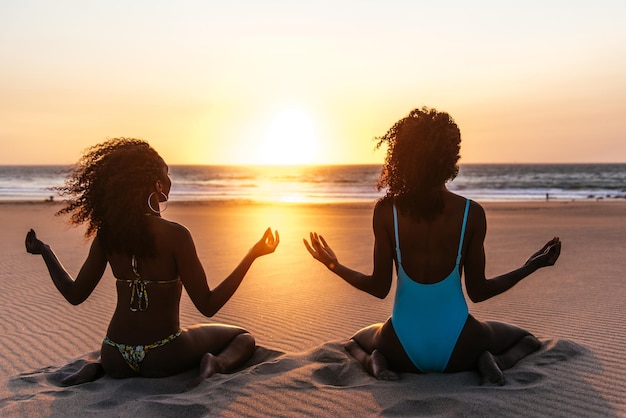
pixel 301 314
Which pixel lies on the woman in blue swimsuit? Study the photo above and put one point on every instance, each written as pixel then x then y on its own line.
pixel 432 235
pixel 116 189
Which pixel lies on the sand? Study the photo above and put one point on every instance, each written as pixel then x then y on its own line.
pixel 301 314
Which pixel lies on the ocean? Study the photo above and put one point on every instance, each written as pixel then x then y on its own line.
pixel 348 183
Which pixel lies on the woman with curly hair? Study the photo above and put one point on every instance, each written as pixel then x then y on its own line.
pixel 116 189
pixel 431 234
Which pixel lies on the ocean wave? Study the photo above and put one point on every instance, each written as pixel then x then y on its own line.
pixel 324 184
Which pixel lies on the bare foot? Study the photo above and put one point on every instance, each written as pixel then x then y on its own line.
pixel 88 373
pixel 375 363
pixel 380 369
pixel 489 369
pixel 208 367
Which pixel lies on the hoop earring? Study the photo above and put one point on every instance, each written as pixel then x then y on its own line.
pixel 153 209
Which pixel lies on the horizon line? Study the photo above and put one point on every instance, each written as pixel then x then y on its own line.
pixel 323 164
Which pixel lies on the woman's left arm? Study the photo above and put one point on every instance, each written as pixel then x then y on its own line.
pixel 210 301
pixel 478 287
pixel 74 291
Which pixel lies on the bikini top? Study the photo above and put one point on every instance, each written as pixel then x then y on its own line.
pixel 138 288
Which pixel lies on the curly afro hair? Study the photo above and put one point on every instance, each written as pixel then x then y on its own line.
pixel 422 155
pixel 108 189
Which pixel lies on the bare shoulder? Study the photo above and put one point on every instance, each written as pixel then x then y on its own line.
pixel 382 221
pixel 173 230
pixel 383 210
pixel 476 220
pixel 475 208
pixel 383 205
pixel 477 212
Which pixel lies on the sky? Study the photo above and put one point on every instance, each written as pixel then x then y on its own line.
pixel 312 82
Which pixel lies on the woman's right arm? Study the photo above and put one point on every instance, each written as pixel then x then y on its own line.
pixel 479 288
pixel 192 274
pixel 74 291
pixel 378 283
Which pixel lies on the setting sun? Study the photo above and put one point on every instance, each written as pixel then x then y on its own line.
pixel 290 138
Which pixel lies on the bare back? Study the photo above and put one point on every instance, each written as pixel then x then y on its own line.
pixel 163 287
pixel 429 249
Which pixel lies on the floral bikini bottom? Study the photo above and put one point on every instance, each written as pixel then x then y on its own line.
pixel 134 354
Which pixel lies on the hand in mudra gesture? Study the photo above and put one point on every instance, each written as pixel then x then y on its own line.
pixel 320 250
pixel 33 244
pixel 266 245
pixel 547 255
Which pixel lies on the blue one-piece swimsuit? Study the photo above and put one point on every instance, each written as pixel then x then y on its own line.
pixel 428 318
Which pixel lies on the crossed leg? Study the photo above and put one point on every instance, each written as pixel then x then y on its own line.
pixel 217 348
pixel 491 347
pixel 220 348
pixel 362 346
pixel 380 352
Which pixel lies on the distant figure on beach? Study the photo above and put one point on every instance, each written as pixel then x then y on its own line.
pixel 116 189
pixel 431 234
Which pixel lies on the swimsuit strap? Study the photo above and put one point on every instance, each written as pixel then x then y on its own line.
pixel 133 264
pixel 395 227
pixel 138 288
pixel 458 257
pixel 164 341
pixel 147 281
